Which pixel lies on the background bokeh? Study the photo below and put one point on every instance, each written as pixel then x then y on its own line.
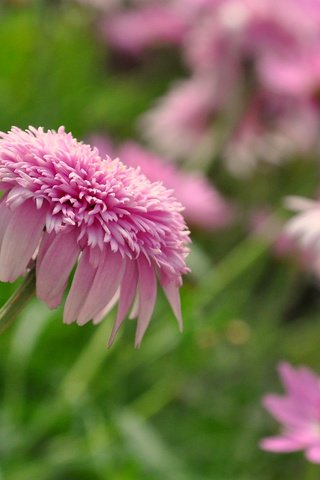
pixel 183 406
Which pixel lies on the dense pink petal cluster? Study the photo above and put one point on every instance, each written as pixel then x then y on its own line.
pixel 231 47
pixel 65 205
pixel 204 206
pixel 297 411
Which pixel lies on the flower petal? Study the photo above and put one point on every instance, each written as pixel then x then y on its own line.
pixel 104 312
pixel 20 240
pixel 313 454
pixel 286 410
pixel 127 292
pixel 104 286
pixel 172 293
pixel 55 265
pixel 280 444
pixel 80 287
pixel 5 214
pixel 147 297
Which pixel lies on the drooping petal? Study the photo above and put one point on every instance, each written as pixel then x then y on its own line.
pixel 280 444
pixel 80 287
pixel 313 454
pixel 55 266
pixel 172 293
pixel 104 312
pixel 21 238
pixel 105 284
pixel 5 214
pixel 127 292
pixel 147 294
pixel 135 307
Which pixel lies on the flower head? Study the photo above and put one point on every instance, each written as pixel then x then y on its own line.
pixel 297 411
pixel 65 205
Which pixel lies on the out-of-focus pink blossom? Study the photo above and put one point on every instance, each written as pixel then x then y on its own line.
pixel 296 73
pixel 234 49
pixel 65 205
pixel 274 127
pixel 205 207
pixel 266 225
pixel 304 227
pixel 136 29
pixel 179 124
pixel 278 38
pixel 298 413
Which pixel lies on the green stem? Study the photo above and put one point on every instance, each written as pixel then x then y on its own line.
pixel 20 298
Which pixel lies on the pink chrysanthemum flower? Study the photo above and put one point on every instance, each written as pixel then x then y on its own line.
pixel 297 411
pixel 65 205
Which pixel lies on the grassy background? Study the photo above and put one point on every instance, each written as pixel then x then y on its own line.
pixel 183 407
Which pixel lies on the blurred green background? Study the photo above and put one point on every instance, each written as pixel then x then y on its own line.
pixel 184 406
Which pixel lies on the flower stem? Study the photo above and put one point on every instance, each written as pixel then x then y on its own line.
pixel 20 298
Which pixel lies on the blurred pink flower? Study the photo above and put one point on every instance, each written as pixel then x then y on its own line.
pixel 266 225
pixel 134 30
pixel 304 227
pixel 204 206
pixel 274 128
pixel 297 411
pixel 296 73
pixel 66 205
pixel 179 123
pixel 234 49
pixel 278 38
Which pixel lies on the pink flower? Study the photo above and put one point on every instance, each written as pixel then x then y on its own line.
pixel 305 226
pixel 65 205
pixel 136 29
pixel 179 124
pixel 204 206
pixel 281 39
pixel 273 128
pixel 297 72
pixel 297 411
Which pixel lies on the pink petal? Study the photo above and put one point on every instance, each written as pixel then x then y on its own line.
pixel 147 297
pixel 313 454
pixel 127 292
pixel 80 287
pixel 300 383
pixel 104 286
pixel 172 293
pixel 286 410
pixel 20 240
pixel 280 444
pixel 55 265
pixel 101 315
pixel 5 214
pixel 135 307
